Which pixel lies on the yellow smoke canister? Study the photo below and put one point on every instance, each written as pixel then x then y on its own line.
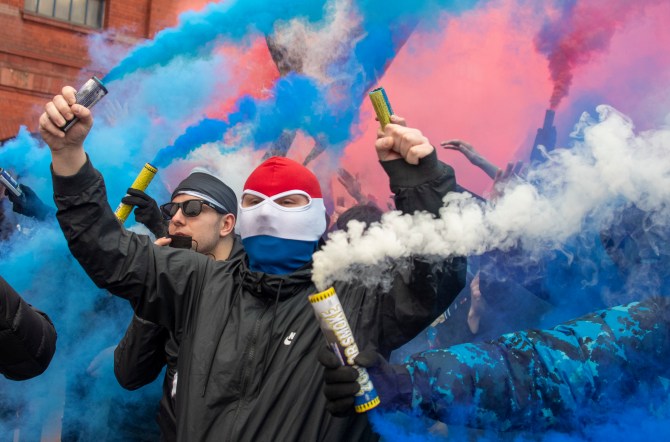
pixel 142 181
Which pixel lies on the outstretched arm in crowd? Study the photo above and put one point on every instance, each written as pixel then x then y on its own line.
pixel 472 155
pixel 533 380
pixel 29 204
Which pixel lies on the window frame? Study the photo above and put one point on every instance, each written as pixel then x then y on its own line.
pixel 98 24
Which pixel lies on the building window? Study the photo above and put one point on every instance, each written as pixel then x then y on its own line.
pixel 78 12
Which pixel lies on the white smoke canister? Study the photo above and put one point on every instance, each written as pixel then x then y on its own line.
pixel 340 339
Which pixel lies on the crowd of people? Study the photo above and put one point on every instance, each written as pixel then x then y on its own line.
pixel 219 300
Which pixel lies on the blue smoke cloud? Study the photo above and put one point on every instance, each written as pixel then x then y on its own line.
pixel 296 103
pixel 158 97
pixel 198 32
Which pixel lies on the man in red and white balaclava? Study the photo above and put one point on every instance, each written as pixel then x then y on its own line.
pixel 281 216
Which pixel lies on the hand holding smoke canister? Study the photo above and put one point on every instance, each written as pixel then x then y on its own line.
pixel 9 182
pixel 89 94
pixel 340 339
pixel 142 181
pixel 380 102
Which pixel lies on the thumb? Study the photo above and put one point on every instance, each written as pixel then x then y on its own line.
pixel 83 113
pixel 368 358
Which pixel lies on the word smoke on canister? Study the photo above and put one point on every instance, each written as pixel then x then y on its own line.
pixel 340 339
pixel 142 181
pixel 10 182
pixel 381 105
pixel 90 93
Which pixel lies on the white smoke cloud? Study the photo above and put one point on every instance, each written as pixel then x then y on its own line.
pixel 609 166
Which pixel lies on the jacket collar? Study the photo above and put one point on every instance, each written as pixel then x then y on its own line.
pixel 272 287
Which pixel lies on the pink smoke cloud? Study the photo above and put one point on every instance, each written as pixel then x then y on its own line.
pixel 583 30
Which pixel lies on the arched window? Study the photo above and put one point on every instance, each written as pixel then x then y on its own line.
pixel 78 12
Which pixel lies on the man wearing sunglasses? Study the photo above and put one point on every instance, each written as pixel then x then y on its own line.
pixel 204 210
pixel 248 339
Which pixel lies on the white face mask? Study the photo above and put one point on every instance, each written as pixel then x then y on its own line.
pixel 304 223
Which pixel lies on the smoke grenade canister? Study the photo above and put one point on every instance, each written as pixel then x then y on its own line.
pixel 340 338
pixel 142 181
pixel 89 94
pixel 380 102
pixel 10 182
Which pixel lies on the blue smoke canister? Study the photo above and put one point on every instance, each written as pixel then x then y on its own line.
pixel 10 182
pixel 340 339
pixel 89 94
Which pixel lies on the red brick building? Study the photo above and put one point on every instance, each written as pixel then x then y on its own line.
pixel 43 46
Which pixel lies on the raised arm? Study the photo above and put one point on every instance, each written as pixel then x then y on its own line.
pixel 158 281
pixel 419 181
pixel 475 158
pixel 27 337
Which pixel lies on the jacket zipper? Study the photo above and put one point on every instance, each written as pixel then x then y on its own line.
pixel 249 358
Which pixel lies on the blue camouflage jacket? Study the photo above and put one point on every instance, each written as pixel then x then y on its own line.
pixel 561 378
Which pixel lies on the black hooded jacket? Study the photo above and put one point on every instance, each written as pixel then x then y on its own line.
pixel 27 337
pixel 142 353
pixel 247 363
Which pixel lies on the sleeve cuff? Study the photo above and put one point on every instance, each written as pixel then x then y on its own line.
pixel 403 174
pixel 73 185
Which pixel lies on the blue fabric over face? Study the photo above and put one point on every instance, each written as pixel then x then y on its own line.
pixel 277 256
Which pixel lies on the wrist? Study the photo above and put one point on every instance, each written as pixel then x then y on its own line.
pixel 67 162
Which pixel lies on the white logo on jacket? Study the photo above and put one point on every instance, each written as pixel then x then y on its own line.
pixel 289 338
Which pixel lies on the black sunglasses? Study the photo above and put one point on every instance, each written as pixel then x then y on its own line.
pixel 189 208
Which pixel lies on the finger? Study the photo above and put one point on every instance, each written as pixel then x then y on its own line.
pixel 163 241
pixel 54 114
pixel 138 193
pixel 339 391
pixel 380 133
pixel 367 358
pixel 47 126
pixel 397 119
pixel 415 153
pixel 342 374
pixel 84 114
pixel 453 142
pixel 63 107
pixel 69 93
pixel 384 144
pixel 327 358
pixel 134 201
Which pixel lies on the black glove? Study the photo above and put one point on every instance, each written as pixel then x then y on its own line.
pixel 146 211
pixel 28 204
pixel 341 385
pixel 392 382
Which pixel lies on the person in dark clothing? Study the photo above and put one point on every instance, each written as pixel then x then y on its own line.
pixel 27 337
pixel 147 347
pixel 365 213
pixel 537 380
pixel 248 338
